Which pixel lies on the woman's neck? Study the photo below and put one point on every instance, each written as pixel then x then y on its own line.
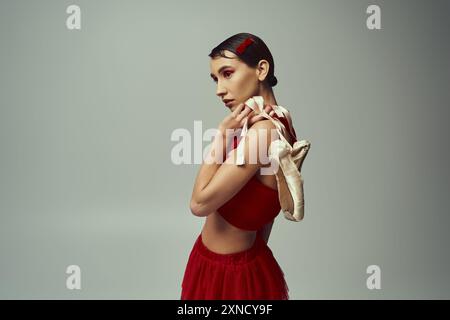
pixel 268 96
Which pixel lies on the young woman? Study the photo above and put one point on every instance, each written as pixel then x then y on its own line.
pixel 230 258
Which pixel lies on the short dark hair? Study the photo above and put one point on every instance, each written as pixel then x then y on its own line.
pixel 253 53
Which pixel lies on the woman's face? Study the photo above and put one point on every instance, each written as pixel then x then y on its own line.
pixel 235 80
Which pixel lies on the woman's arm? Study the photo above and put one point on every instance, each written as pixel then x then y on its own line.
pixel 217 183
pixel 210 166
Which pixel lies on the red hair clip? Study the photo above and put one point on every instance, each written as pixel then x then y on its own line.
pixel 241 48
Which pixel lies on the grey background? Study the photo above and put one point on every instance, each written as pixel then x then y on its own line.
pixel 86 116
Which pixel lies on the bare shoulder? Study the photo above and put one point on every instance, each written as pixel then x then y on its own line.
pixel 263 124
pixel 267 127
pixel 263 129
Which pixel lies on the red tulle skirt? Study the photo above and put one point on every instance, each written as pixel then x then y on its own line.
pixel 246 275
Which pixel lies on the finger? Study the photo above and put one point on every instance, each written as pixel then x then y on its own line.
pixel 246 110
pixel 242 119
pixel 244 113
pixel 238 109
pixel 255 119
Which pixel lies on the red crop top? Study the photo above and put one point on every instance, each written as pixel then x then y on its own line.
pixel 253 206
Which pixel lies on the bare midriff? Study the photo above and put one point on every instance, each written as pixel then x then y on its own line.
pixel 219 236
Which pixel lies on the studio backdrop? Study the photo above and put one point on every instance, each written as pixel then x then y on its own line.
pixel 94 205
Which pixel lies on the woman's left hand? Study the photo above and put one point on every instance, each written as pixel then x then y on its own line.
pixel 255 118
pixel 236 119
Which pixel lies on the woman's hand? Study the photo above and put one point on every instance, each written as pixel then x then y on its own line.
pixel 255 118
pixel 236 119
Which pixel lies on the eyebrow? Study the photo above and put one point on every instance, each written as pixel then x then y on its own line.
pixel 220 70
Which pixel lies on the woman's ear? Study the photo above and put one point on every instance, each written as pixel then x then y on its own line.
pixel 262 69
